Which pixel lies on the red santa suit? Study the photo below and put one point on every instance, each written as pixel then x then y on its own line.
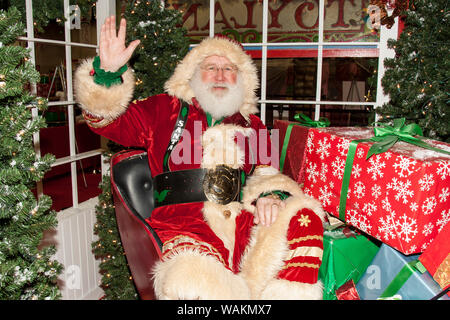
pixel 212 250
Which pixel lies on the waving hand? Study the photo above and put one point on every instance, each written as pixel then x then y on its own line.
pixel 113 53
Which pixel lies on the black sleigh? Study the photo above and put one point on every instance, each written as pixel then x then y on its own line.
pixel 132 189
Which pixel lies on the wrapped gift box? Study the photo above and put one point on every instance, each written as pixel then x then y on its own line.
pixel 436 258
pixel 345 257
pixel 293 162
pixel 392 274
pixel 401 197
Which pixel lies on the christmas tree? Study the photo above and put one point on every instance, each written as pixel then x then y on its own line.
pixel 416 79
pixel 26 270
pixel 163 44
pixel 46 10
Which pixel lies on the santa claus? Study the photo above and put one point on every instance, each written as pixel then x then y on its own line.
pixel 232 226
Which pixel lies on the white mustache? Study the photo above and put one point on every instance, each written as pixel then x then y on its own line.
pixel 218 85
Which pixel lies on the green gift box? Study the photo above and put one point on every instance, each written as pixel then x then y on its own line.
pixel 346 255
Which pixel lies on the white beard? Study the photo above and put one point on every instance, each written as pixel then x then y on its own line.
pixel 218 106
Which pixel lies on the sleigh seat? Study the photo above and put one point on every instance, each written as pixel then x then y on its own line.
pixel 132 188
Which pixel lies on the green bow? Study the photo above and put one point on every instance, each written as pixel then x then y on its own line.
pixel 306 121
pixel 386 136
pixel 302 120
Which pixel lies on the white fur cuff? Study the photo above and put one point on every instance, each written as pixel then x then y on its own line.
pixel 98 100
pixel 267 179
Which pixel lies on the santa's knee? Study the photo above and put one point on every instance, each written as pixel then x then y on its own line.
pixel 281 289
pixel 191 275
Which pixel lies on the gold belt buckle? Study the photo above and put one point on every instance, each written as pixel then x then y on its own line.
pixel 222 184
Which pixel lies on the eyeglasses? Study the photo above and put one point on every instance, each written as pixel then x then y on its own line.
pixel 214 69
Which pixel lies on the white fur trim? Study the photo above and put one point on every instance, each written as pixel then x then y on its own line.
pixel 223 226
pixel 280 289
pixel 100 101
pixel 266 179
pixel 268 247
pixel 178 85
pixel 219 147
pixel 192 275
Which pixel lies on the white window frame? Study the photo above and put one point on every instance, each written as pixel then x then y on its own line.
pixel 104 9
pixel 384 52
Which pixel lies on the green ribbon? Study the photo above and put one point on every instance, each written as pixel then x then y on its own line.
pixel 385 137
pixel 401 278
pixel 107 78
pixel 302 120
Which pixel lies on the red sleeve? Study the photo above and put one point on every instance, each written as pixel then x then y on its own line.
pixel 138 125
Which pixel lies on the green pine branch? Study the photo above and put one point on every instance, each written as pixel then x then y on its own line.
pixel 416 79
pixel 26 270
pixel 163 44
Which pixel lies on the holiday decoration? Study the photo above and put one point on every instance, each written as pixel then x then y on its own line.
pixel 416 79
pixel 291 148
pixel 378 11
pixel 392 274
pixel 400 196
pixel 27 270
pixel 346 256
pixel 436 258
pixel 292 143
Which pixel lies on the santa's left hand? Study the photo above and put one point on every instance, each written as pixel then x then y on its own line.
pixel 267 209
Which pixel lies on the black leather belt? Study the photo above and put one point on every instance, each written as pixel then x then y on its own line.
pixel 220 185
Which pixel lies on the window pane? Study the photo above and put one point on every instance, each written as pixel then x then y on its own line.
pixel 349 79
pixel 293 21
pixel 280 111
pixel 195 16
pixel 240 20
pixel 343 116
pixel 288 21
pixel 55 140
pixel 290 78
pixel 348 21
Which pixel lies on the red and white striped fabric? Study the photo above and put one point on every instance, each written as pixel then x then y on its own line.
pixel 305 240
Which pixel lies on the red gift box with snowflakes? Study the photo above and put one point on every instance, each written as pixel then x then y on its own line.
pixel 294 158
pixel 401 197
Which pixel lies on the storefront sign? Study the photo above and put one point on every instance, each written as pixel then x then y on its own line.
pixel 289 20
